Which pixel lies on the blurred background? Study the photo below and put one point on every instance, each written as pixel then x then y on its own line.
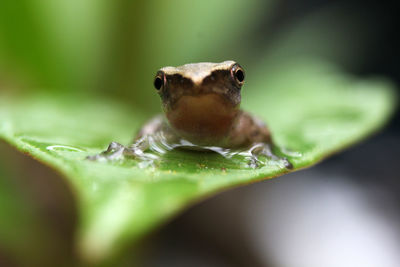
pixel 343 212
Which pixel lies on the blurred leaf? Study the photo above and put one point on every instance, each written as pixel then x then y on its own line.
pixel 313 110
pixel 58 45
pixel 116 45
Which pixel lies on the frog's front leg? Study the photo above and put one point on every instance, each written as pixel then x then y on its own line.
pixel 253 133
pixel 140 144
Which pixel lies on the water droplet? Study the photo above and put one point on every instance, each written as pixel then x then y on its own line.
pixel 63 148
pixel 259 155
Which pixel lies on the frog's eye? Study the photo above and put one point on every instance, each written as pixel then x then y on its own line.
pixel 159 80
pixel 237 73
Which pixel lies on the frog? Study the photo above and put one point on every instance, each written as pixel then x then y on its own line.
pixel 201 104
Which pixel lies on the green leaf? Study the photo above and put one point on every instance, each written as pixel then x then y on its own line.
pixel 312 109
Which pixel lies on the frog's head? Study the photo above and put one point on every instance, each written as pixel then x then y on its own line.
pixel 201 97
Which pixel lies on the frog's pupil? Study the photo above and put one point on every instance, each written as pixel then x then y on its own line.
pixel 158 83
pixel 240 75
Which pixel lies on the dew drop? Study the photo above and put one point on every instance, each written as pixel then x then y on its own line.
pixel 63 148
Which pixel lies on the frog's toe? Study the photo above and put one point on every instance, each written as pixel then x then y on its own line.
pixel 94 157
pixel 287 164
pixel 114 151
pixel 254 162
pixel 266 150
pixel 114 146
pixel 283 160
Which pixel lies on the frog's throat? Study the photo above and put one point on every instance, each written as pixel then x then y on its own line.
pixel 203 117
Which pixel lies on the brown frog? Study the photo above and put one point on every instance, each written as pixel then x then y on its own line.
pixel 201 106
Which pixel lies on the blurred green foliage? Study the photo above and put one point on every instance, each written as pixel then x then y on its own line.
pixel 115 47
pixel 54 45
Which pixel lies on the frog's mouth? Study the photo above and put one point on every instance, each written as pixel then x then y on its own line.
pixel 203 116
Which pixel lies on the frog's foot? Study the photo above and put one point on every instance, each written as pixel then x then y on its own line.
pixel 114 151
pixel 266 150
